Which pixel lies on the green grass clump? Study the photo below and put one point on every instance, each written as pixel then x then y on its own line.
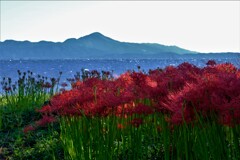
pixel 18 104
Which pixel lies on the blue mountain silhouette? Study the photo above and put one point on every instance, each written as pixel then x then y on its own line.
pixel 94 45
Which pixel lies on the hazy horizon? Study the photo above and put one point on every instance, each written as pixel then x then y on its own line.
pixel 197 26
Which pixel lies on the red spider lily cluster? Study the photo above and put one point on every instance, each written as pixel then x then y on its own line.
pixel 40 123
pixel 181 92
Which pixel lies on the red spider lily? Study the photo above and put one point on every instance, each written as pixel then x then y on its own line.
pixel 211 63
pixel 136 122
pixel 230 112
pixel 45 109
pixel 180 105
pixel 125 110
pixel 45 120
pixel 187 67
pixel 90 82
pixel 151 82
pixel 7 89
pixel 159 128
pixel 120 126
pixel 142 109
pixel 131 108
pixel 69 99
pixel 126 79
pixel 64 84
pixel 238 73
pixel 226 67
pixel 156 71
pixel 211 93
pixel 142 86
pixel 77 84
pixel 28 129
pixel 62 90
pixel 47 85
pixel 138 78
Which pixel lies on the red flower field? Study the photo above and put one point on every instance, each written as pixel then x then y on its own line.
pixel 181 92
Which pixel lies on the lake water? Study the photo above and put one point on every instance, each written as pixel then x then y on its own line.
pixel 51 68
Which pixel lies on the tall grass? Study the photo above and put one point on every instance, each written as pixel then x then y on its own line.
pixel 18 103
pixel 100 138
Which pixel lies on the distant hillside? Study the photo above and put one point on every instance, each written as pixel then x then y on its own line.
pixel 94 45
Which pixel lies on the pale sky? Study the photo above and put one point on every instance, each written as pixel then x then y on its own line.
pixel 198 25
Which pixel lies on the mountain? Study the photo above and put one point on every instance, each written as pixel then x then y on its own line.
pixel 94 45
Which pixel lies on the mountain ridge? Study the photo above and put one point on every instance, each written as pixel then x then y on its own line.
pixel 94 45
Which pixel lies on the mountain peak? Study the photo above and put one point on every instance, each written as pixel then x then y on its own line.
pixel 95 35
pixel 96 38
